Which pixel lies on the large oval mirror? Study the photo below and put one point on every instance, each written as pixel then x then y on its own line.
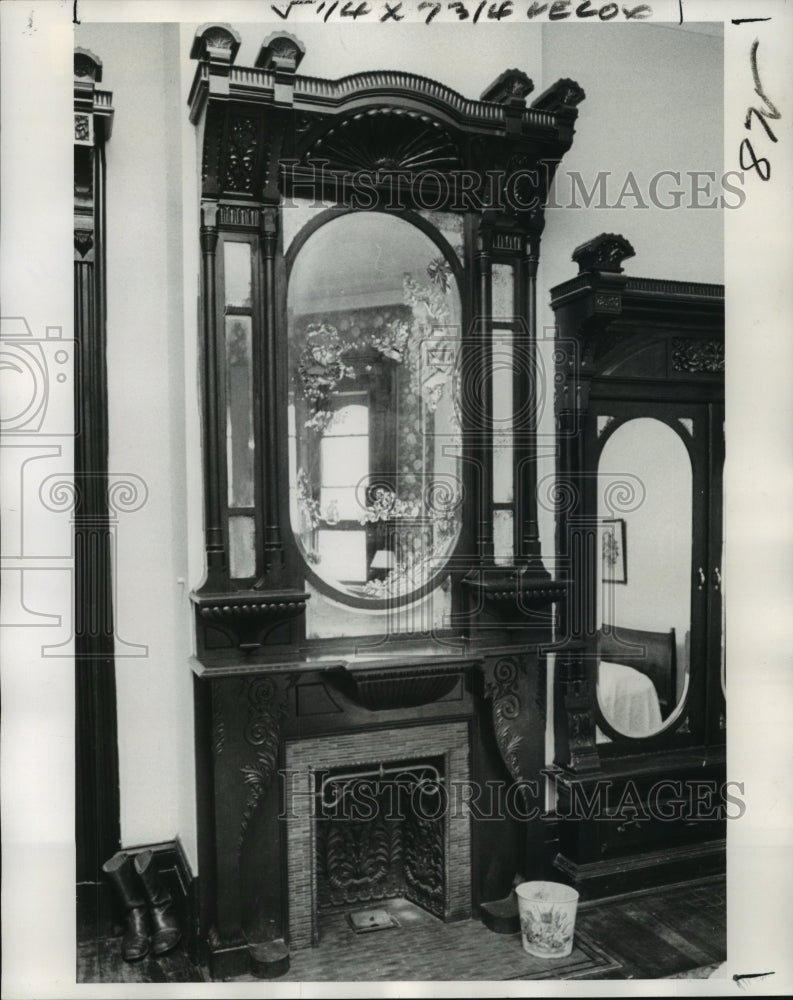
pixel 374 332
pixel 645 535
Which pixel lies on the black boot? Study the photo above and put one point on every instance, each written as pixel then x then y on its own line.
pixel 119 869
pixel 165 931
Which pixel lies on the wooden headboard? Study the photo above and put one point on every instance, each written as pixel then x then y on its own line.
pixel 656 656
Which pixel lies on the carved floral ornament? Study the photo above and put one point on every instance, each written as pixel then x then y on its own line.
pixel 82 128
pixel 281 50
pixel 697 356
pixel 389 136
pixel 215 37
pixel 218 40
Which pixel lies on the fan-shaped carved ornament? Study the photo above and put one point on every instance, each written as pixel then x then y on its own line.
pixel 386 139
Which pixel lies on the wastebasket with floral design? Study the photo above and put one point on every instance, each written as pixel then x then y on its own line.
pixel 547 918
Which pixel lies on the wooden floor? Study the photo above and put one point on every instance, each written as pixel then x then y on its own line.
pixel 657 935
pixel 674 932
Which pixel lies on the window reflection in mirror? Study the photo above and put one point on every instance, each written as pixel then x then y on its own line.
pixel 645 537
pixel 373 339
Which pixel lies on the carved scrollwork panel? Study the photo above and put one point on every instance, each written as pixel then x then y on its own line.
pixel 502 687
pixel 218 730
pixel 267 710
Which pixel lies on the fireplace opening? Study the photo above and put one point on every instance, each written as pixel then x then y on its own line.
pixel 380 834
pixel 358 833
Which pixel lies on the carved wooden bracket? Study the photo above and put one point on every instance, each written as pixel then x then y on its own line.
pixel 246 617
pixel 511 87
pixel 506 687
pixel 564 95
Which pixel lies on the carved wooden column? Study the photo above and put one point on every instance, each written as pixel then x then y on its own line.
pixel 268 379
pixel 480 393
pixel 97 792
pixel 210 408
pixel 527 530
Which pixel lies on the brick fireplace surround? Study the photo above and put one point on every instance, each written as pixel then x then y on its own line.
pixel 450 740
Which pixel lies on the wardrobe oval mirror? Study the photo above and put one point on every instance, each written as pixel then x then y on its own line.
pixel 645 545
pixel 374 438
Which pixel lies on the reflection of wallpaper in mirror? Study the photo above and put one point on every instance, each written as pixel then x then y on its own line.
pixel 376 336
pixel 374 430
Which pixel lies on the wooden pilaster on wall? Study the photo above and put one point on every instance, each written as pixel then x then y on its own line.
pixel 97 822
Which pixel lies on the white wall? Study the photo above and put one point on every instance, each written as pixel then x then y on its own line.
pixel 145 357
pixel 668 116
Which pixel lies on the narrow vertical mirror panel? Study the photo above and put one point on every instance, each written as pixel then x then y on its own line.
pixel 374 332
pixel 645 544
pixel 237 273
pixel 239 411
pixel 503 409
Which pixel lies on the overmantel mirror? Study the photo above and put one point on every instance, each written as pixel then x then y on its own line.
pixel 374 311
pixel 642 408
pixel 369 256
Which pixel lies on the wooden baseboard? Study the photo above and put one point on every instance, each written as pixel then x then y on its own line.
pixel 99 913
pixel 647 870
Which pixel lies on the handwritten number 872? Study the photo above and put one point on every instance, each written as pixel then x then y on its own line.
pixel 748 157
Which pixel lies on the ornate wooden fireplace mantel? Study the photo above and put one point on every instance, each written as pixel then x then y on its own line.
pixel 248 717
pixel 409 596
